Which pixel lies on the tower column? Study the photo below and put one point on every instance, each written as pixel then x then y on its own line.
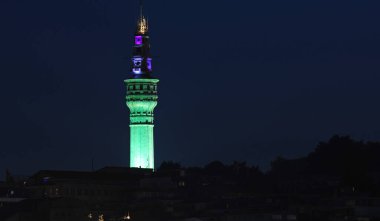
pixel 141 100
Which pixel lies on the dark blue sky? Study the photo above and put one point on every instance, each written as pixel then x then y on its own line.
pixel 240 80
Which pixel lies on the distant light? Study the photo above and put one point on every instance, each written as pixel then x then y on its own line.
pixel 45 179
pixel 101 217
pixel 127 217
pixel 90 216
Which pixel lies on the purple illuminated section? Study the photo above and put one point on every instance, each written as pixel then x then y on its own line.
pixel 149 64
pixel 137 62
pixel 138 40
pixel 136 70
pixel 45 179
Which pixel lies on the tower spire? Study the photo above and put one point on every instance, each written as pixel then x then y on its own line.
pixel 142 23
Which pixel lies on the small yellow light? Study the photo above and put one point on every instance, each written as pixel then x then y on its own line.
pixel 101 218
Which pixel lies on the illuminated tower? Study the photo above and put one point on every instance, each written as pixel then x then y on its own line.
pixel 141 99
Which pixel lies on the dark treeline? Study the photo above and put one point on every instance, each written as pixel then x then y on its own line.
pixel 339 166
pixel 339 180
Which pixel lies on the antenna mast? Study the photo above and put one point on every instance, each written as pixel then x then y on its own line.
pixel 141 9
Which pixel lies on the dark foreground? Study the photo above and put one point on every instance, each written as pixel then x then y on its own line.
pixel 340 180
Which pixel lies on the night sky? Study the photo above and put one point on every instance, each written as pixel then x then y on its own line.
pixel 240 80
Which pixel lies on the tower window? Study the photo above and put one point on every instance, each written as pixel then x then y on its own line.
pixel 149 63
pixel 137 62
pixel 137 70
pixel 138 40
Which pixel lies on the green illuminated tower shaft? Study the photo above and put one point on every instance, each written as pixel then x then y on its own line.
pixel 141 100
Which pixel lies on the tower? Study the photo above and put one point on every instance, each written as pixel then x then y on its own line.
pixel 141 99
